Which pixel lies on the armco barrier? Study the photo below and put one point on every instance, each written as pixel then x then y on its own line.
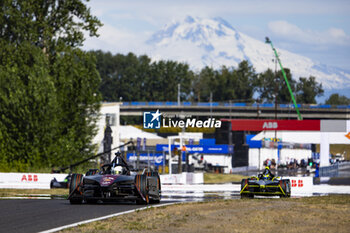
pixel 28 180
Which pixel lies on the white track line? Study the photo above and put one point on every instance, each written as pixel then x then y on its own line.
pixel 103 217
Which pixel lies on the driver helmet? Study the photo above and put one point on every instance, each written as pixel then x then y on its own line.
pixel 266 173
pixel 117 170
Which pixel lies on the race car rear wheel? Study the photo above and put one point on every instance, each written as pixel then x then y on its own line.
pixel 156 200
pixel 288 188
pixel 245 195
pixel 75 194
pixel 141 185
pixel 243 183
pixel 285 185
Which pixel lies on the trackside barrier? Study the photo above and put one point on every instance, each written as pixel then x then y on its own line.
pixel 184 178
pixel 329 171
pixel 300 185
pixel 28 180
pixel 42 180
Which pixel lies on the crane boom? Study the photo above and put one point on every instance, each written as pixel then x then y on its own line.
pixel 268 41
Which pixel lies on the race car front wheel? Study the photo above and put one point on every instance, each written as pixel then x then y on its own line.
pixel 75 194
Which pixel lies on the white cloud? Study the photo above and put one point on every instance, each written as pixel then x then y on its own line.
pixel 168 8
pixel 291 32
pixel 116 41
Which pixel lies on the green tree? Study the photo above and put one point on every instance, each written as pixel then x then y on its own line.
pixel 47 74
pixel 268 84
pixel 203 83
pixel 77 82
pixel 308 89
pixel 136 78
pixel 244 86
pixel 225 84
pixel 336 99
pixel 28 107
pixel 46 23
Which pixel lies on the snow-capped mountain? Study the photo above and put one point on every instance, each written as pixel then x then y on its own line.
pixel 214 43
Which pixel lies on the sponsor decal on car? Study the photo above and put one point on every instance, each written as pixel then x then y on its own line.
pixel 107 180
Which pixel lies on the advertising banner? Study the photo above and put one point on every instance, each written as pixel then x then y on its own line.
pixel 260 125
pixel 28 180
pixel 203 149
pixel 154 158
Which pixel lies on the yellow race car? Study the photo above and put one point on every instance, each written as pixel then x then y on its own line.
pixel 265 184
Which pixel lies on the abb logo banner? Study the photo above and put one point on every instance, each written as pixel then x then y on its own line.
pixel 300 185
pixel 297 183
pixel 28 180
pixel 270 125
pixel 33 178
pixel 260 125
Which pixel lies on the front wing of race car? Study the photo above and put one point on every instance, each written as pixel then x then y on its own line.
pixel 255 186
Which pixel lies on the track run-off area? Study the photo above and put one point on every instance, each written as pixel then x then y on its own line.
pixel 47 213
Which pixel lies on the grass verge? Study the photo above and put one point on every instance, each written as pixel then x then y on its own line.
pixel 314 214
pixel 14 192
pixel 214 178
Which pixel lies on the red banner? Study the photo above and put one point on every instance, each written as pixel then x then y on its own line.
pixel 260 125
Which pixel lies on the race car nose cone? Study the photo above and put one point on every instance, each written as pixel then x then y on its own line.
pixel 108 180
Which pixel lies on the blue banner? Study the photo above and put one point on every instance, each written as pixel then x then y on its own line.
pixel 202 149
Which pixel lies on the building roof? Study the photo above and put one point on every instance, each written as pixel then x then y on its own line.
pixel 305 137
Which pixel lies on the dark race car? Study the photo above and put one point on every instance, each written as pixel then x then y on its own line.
pixel 115 182
pixel 265 185
pixel 60 184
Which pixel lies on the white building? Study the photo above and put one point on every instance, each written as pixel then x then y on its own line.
pixel 111 110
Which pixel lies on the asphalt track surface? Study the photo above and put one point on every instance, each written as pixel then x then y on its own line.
pixel 38 215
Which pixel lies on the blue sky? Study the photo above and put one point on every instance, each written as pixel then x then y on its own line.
pixel 317 29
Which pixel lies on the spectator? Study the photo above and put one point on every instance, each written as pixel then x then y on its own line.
pixel 273 163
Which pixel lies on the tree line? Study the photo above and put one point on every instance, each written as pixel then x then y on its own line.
pixel 49 97
pixel 138 78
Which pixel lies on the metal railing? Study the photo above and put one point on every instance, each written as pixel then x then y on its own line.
pixel 238 104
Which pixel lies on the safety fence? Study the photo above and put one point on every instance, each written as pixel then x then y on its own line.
pixel 333 170
pixel 225 104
